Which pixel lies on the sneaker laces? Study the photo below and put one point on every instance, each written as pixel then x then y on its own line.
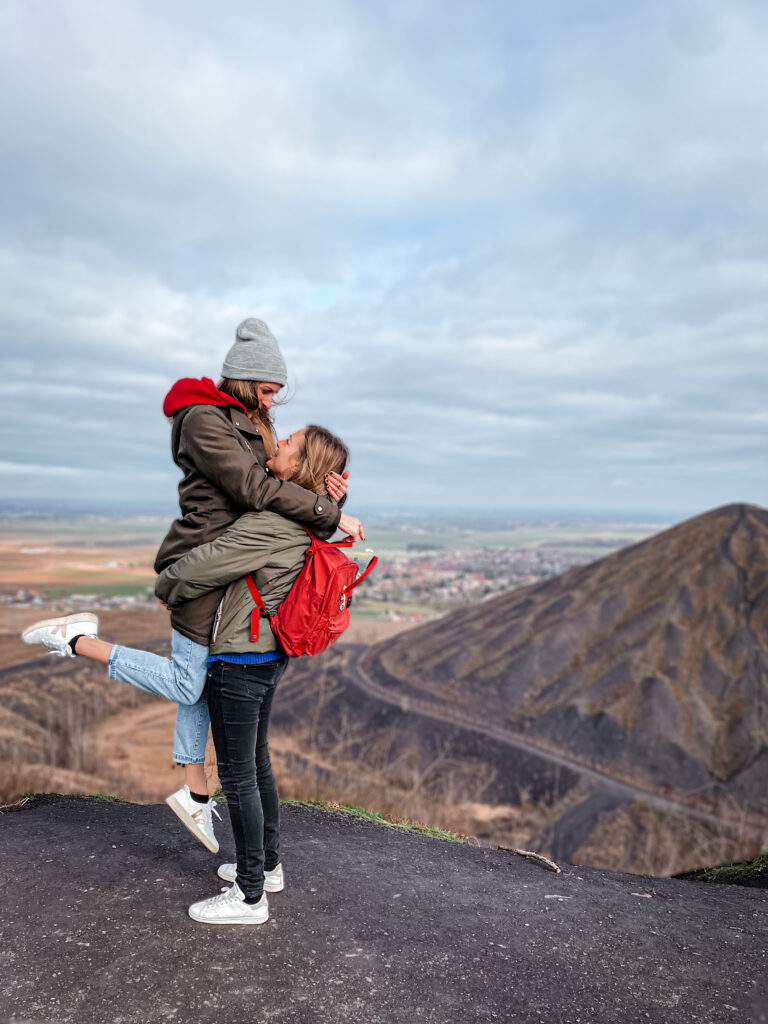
pixel 203 815
pixel 58 650
pixel 225 896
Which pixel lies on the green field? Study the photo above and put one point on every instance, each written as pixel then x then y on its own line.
pixel 375 609
pixel 589 537
pixel 106 531
pixel 60 593
pixel 87 530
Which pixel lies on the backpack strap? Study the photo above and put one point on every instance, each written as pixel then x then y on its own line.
pixel 371 565
pixel 316 542
pixel 259 610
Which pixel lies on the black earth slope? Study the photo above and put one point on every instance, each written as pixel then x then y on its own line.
pixel 375 926
pixel 650 665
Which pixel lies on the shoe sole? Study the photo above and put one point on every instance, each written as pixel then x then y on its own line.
pixel 248 920
pixel 268 886
pixel 189 822
pixel 63 621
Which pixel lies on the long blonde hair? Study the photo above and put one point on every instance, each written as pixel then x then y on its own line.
pixel 247 393
pixel 322 453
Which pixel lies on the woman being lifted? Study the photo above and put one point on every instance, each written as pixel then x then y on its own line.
pixel 221 438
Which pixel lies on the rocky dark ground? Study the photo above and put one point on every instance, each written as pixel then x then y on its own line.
pixel 375 926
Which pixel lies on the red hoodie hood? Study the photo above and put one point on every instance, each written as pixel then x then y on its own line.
pixel 196 391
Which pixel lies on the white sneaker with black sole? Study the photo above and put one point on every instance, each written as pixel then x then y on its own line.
pixel 56 633
pixel 197 817
pixel 230 908
pixel 274 880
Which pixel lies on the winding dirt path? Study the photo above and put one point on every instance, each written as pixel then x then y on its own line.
pixel 622 792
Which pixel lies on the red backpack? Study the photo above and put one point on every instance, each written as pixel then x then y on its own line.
pixel 316 611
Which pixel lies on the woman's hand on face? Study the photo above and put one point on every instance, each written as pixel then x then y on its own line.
pixel 337 485
pixel 352 527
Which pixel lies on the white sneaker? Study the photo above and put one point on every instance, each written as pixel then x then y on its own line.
pixel 230 908
pixel 56 633
pixel 197 817
pixel 273 880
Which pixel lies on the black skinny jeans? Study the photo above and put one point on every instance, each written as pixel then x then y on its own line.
pixel 239 700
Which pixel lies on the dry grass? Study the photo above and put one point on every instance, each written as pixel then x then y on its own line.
pixel 646 840
pixel 49 713
pixel 69 729
pixel 352 765
pixel 398 784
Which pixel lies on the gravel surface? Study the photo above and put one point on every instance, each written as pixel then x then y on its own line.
pixel 375 926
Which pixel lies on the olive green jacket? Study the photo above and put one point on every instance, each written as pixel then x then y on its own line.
pixel 223 459
pixel 263 543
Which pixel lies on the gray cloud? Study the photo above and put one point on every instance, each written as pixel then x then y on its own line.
pixel 513 257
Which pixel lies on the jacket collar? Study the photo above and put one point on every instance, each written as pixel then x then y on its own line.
pixel 243 423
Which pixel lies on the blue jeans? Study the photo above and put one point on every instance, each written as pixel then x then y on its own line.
pixel 181 678
pixel 240 699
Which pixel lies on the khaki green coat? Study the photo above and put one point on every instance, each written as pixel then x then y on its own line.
pixel 263 543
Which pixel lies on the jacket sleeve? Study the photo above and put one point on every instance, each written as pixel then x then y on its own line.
pixel 213 445
pixel 243 548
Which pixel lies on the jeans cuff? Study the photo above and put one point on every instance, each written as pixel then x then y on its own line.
pixel 113 656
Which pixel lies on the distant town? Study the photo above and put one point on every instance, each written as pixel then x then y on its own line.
pixel 441 581
pixel 421 582
pixel 429 564
pixel 24 598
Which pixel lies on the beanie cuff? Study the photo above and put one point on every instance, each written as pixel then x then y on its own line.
pixel 270 376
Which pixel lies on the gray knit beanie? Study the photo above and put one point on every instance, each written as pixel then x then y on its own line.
pixel 255 355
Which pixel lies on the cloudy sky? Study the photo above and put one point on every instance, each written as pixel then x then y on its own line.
pixel 515 254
